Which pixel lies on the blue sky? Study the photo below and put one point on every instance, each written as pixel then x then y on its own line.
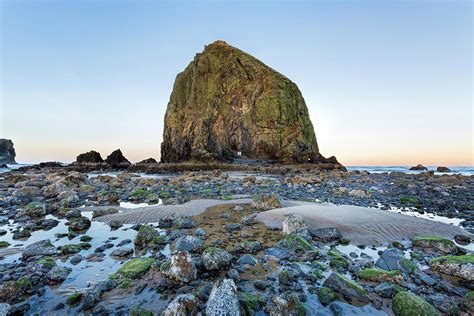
pixel 386 82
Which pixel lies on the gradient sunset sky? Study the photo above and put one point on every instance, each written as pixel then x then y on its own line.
pixel 386 82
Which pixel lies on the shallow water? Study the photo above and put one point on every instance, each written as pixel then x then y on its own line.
pixel 432 217
pixel 464 170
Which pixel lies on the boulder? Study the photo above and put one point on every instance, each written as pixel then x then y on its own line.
pixel 227 104
pixel 146 234
pixel 183 304
pixel 188 243
pixel 435 243
pixel 216 258
pixel 348 288
pixel 343 309
pixel 294 224
pixel 181 268
pixel 265 202
pixel 117 160
pixel 58 274
pixel 407 303
pixel 325 234
pixel 40 248
pixel 90 158
pixel 459 266
pixel 7 152
pixel 223 299
pixel 285 304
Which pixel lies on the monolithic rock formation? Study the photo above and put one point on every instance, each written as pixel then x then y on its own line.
pixel 117 160
pixel 7 152
pixel 227 104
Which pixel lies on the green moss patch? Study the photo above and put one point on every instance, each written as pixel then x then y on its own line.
pixel 408 304
pixel 409 200
pixel 74 298
pixel 47 262
pixel 353 285
pixel 454 259
pixel 251 302
pixel 296 243
pixel 136 267
pixel 4 244
pixel 326 296
pixel 378 275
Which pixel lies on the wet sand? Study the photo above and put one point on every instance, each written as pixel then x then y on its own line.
pixel 361 224
pixel 151 214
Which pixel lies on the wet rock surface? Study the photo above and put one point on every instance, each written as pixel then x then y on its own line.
pixel 55 256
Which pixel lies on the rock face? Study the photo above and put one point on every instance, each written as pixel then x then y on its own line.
pixel 226 102
pixel 7 152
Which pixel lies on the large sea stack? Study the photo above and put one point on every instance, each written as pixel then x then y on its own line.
pixel 227 104
pixel 7 151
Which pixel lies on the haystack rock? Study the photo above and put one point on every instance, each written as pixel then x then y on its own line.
pixel 117 160
pixel 7 151
pixel 227 104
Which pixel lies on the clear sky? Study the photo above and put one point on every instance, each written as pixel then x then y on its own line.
pixel 386 82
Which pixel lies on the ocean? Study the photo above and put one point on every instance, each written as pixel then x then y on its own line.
pixel 467 171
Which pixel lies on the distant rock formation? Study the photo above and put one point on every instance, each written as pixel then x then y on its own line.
pixel 90 158
pixel 7 152
pixel 227 104
pixel 117 160
pixel 443 169
pixel 147 161
pixel 419 167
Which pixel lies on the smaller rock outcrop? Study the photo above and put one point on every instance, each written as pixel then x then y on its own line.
pixel 148 161
pixel 443 169
pixel 117 160
pixel 90 158
pixel 7 151
pixel 419 168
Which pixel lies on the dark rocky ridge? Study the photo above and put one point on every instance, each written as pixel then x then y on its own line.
pixel 7 151
pixel 226 102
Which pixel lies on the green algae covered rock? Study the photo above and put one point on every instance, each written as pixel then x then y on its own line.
pixel 296 243
pixel 459 266
pixel 342 285
pixel 326 296
pixel 226 102
pixel 408 304
pixel 436 243
pixel 378 275
pixel 136 267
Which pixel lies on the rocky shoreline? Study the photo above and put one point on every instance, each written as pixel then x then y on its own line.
pixel 58 258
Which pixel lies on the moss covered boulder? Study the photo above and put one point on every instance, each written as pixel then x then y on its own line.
pixel 435 243
pixel 379 275
pixel 136 267
pixel 348 288
pixel 295 243
pixel 227 102
pixel 459 266
pixel 286 304
pixel 408 304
